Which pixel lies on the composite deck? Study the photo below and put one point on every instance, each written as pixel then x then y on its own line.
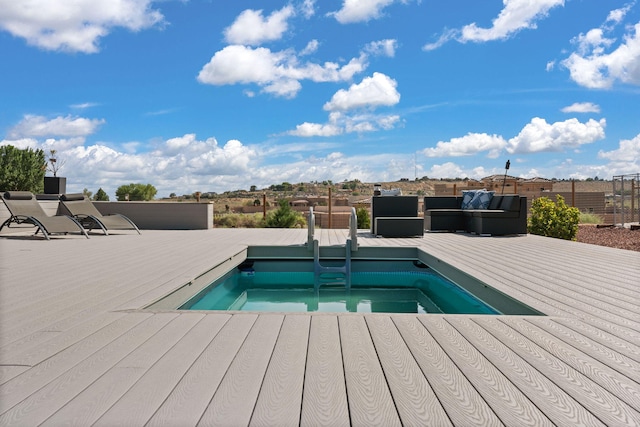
pixel 75 348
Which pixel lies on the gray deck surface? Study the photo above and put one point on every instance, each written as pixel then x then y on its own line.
pixel 75 348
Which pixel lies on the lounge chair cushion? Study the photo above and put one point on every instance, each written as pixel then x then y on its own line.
pixel 73 196
pixel 18 195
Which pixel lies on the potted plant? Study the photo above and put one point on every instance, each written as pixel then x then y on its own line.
pixel 54 184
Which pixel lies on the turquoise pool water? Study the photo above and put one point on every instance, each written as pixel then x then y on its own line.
pixel 398 287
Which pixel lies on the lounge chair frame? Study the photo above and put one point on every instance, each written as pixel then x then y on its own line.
pixel 39 223
pixel 90 218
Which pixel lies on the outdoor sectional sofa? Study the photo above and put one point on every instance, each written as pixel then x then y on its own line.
pixel 504 214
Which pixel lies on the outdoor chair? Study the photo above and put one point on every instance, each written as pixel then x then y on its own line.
pixel 83 210
pixel 25 209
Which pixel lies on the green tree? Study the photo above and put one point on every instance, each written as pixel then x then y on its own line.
pixel 136 192
pixel 364 221
pixel 284 217
pixel 553 219
pixel 101 196
pixel 87 193
pixel 22 170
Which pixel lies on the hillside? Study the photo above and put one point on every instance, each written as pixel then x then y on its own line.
pixel 356 190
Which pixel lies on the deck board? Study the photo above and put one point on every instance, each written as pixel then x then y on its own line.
pixel 556 405
pixel 280 399
pixel 370 401
pixel 589 398
pixel 76 348
pixel 165 361
pixel 461 401
pixel 44 402
pixel 509 403
pixel 414 398
pixel 235 398
pixel 192 394
pixel 324 399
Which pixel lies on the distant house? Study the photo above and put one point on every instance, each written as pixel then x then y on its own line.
pixel 535 184
pixel 506 184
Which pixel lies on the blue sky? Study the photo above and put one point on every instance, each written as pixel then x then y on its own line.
pixel 216 95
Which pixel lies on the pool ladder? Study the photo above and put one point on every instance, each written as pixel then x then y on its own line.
pixel 353 230
pixel 350 245
pixel 319 269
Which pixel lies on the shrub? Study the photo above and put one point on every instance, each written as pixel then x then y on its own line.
pixel 364 221
pixel 238 221
pixel 284 217
pixel 553 219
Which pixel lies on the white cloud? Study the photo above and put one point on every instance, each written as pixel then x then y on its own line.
pixel 443 39
pixel 446 170
pixel 307 129
pixel 468 145
pixel 360 10
pixel 340 123
pixel 74 26
pixel 617 15
pixel 84 105
pixel 39 126
pixel 591 66
pixel 582 107
pixel 627 152
pixel 374 91
pixel 385 47
pixel 174 165
pixel 310 48
pixel 251 28
pixel 516 15
pixel 278 73
pixel 308 8
pixel 539 136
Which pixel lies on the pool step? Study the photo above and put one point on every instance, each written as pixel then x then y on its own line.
pixel 319 269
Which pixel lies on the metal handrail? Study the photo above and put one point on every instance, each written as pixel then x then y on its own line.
pixel 311 227
pixel 353 229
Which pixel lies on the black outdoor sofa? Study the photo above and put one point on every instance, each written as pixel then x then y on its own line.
pixel 396 216
pixel 505 214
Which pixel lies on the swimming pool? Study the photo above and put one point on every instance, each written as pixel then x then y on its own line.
pixel 375 286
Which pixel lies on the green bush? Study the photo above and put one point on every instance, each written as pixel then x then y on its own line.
pixel 553 219
pixel 238 221
pixel 284 217
pixel 364 221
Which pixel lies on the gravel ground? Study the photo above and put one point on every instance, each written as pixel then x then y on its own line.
pixel 621 238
